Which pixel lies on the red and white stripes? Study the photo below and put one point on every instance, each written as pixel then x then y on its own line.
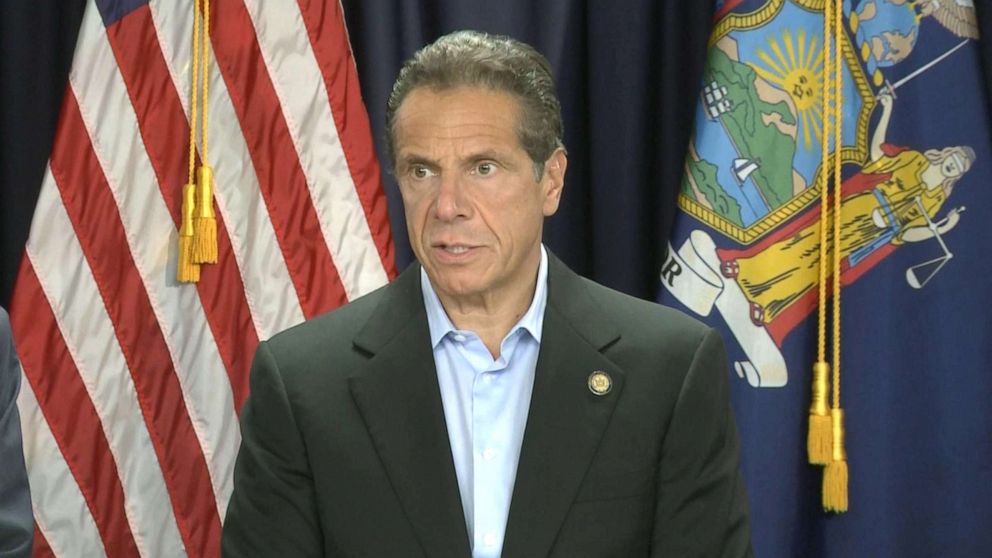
pixel 133 381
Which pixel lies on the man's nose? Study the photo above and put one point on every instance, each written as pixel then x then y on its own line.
pixel 451 201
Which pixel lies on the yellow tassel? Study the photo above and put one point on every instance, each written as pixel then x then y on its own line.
pixel 818 440
pixel 186 270
pixel 205 237
pixel 835 475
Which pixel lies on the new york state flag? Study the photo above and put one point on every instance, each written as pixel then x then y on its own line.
pixel 914 222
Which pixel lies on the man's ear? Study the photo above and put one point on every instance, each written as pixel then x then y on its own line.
pixel 553 180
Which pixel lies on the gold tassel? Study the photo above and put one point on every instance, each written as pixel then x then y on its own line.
pixel 205 237
pixel 187 271
pixel 835 474
pixel 818 440
pixel 818 436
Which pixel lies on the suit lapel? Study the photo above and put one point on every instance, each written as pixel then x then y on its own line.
pixel 566 419
pixel 400 401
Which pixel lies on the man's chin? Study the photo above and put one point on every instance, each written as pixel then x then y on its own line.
pixel 455 287
pixel 458 284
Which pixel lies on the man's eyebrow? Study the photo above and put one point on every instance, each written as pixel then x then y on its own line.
pixel 405 161
pixel 412 159
pixel 503 158
pixel 483 155
pixel 487 154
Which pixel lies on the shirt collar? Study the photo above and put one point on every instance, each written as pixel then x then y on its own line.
pixel 532 321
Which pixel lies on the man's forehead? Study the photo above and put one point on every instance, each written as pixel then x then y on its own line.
pixel 466 96
pixel 465 116
pixel 456 148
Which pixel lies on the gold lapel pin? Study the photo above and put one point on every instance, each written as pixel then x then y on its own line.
pixel 600 383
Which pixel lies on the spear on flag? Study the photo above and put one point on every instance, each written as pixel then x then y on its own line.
pixel 891 87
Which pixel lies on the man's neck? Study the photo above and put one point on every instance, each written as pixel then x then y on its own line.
pixel 491 322
pixel 491 315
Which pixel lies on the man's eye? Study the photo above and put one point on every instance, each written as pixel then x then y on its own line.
pixel 420 172
pixel 485 168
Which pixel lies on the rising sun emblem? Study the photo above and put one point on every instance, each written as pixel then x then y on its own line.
pixel 799 72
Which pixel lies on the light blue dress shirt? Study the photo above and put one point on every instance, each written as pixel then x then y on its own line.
pixel 485 406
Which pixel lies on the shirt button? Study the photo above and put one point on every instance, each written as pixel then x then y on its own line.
pixel 489 539
pixel 489 453
pixel 459 337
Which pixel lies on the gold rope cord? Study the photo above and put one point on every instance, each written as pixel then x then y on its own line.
pixel 818 441
pixel 205 239
pixel 835 476
pixel 187 271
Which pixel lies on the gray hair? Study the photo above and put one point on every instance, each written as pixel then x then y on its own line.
pixel 495 62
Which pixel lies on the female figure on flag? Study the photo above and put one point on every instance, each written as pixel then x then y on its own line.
pixel 893 199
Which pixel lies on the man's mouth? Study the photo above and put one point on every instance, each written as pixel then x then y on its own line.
pixel 454 251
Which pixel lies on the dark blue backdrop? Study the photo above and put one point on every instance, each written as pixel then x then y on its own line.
pixel 627 74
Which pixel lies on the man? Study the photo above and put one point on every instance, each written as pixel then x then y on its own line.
pixel 489 402
pixel 16 522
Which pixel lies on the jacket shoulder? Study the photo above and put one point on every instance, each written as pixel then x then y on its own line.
pixel 344 321
pixel 657 344
pixel 323 346
pixel 632 315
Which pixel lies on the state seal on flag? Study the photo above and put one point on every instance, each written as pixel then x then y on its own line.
pixel 757 165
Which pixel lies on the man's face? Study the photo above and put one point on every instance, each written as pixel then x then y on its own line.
pixel 474 210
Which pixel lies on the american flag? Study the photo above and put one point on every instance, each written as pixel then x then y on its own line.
pixel 132 381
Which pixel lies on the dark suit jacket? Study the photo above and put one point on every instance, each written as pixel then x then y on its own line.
pixel 345 450
pixel 16 522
